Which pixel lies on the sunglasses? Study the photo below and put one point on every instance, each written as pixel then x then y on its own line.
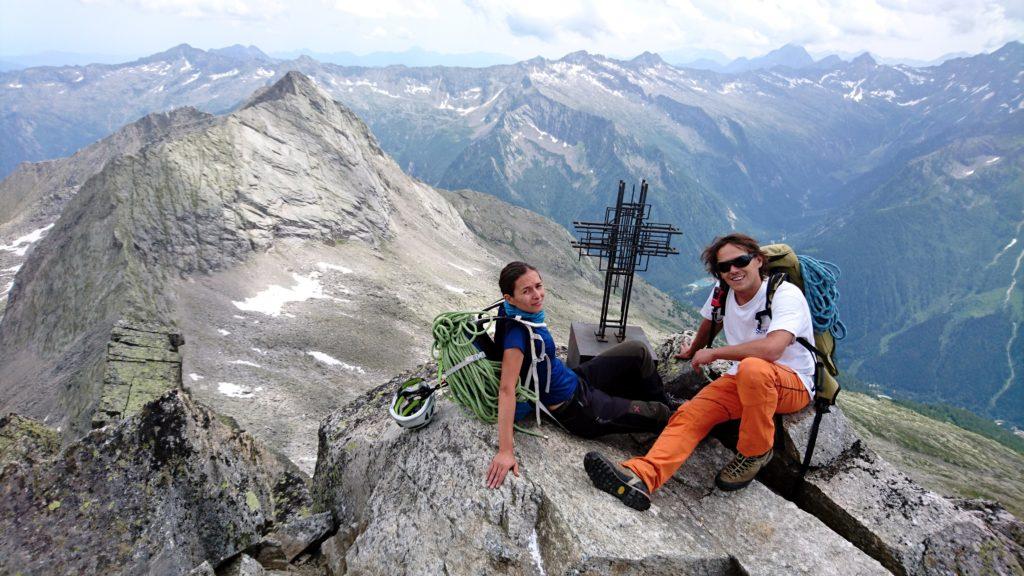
pixel 741 262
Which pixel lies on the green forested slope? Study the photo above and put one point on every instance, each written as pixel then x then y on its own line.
pixel 941 456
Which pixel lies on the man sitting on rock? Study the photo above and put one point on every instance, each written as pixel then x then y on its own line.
pixel 771 374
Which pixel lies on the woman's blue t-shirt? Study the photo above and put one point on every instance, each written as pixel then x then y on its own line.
pixel 563 380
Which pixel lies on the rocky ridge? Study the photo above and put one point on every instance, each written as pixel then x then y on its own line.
pixel 34 195
pixel 157 493
pixel 146 218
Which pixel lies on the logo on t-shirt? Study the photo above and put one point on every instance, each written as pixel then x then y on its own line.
pixel 759 330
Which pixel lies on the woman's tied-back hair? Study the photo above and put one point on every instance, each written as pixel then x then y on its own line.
pixel 510 273
pixel 710 255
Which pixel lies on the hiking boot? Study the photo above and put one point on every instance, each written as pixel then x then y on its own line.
pixel 654 413
pixel 741 471
pixel 618 481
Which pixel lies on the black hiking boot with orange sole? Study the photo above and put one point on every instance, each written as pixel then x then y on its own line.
pixel 617 481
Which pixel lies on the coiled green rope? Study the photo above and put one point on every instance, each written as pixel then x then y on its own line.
pixel 476 385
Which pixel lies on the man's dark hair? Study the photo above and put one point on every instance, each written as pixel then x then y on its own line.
pixel 510 273
pixel 710 255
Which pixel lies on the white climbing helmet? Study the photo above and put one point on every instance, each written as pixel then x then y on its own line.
pixel 412 406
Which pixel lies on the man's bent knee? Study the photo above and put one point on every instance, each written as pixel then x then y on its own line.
pixel 754 367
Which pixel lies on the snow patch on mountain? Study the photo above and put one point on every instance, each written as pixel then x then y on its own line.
pixel 325 267
pixel 912 102
pixel 730 87
pixel 361 83
pixel 856 93
pixel 331 361
pixel 234 390
pixel 468 271
pixel 271 300
pixel 21 245
pixel 415 89
pixel 228 74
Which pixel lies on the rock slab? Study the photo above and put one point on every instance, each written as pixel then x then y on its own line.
pixel 418 499
pixel 158 493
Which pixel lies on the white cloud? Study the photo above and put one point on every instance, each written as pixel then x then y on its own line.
pixel 202 9
pixel 544 20
pixel 387 9
pixel 918 29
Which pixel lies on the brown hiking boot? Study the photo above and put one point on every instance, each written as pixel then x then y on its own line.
pixel 741 471
pixel 618 481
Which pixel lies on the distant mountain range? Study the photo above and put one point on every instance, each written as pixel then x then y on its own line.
pixel 54 58
pixel 909 178
pixel 790 55
pixel 411 57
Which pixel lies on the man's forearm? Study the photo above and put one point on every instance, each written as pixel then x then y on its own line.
pixel 769 348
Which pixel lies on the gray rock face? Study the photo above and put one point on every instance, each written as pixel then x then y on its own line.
pixel 37 192
pixel 286 542
pixel 25 440
pixel 244 565
pixel 415 502
pixel 143 363
pixel 290 163
pixel 909 529
pixel 158 493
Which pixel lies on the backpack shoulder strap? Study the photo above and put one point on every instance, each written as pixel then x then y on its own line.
pixel 774 281
pixel 718 300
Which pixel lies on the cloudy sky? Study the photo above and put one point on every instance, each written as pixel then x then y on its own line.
pixel 916 29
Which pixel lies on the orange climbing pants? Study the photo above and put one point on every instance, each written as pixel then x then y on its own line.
pixel 759 390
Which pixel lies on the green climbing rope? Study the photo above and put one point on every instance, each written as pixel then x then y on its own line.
pixel 476 385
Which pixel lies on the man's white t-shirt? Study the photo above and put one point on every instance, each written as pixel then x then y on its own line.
pixel 789 313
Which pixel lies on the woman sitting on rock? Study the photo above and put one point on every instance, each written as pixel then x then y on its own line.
pixel 618 391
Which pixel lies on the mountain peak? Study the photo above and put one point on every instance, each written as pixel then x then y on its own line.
pixel 239 52
pixel 1012 47
pixel 864 59
pixel 648 59
pixel 790 55
pixel 181 50
pixel 578 57
pixel 291 84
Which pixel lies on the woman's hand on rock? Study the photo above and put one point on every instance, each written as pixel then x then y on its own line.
pixel 500 465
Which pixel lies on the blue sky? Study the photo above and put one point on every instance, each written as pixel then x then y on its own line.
pixel 917 29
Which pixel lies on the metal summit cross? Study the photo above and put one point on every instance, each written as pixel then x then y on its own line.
pixel 624 244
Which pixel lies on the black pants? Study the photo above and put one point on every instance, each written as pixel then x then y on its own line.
pixel 619 391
